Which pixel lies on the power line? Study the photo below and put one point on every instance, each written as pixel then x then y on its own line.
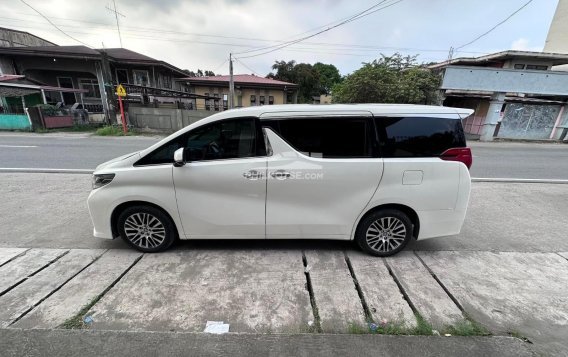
pixel 54 25
pixel 247 67
pixel 352 18
pixel 494 27
pixel 116 13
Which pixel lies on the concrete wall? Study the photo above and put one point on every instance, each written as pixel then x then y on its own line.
pixel 12 38
pixel 164 118
pixel 505 80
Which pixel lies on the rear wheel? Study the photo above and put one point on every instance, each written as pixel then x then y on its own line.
pixel 146 228
pixel 384 232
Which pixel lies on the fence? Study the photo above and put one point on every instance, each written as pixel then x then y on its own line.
pixel 165 119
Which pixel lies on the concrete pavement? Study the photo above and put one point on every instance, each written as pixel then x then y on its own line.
pixel 501 217
pixel 275 291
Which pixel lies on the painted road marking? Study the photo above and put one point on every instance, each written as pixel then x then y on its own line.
pixel 18 146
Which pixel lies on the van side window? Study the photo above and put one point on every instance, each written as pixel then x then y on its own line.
pixel 418 136
pixel 326 137
pixel 225 139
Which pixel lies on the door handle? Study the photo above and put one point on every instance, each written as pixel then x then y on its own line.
pixel 280 174
pixel 252 175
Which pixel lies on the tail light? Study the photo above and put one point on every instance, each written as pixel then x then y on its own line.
pixel 458 154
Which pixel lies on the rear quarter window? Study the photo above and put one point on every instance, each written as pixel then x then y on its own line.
pixel 418 136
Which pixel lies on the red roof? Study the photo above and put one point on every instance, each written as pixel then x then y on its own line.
pixel 241 79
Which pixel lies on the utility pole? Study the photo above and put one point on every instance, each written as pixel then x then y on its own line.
pixel 116 13
pixel 231 83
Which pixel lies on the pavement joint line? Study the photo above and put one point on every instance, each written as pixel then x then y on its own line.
pixel 366 309
pixel 15 257
pixel 93 302
pixel 450 295
pixel 561 256
pixel 401 288
pixel 309 287
pixel 54 290
pixel 34 273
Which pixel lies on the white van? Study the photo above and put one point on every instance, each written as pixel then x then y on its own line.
pixel 377 174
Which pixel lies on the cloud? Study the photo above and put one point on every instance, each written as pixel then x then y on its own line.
pixel 523 44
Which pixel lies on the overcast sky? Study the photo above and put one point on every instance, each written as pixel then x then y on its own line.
pixel 196 34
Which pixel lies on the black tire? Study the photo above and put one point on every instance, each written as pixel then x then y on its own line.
pixel 147 236
pixel 380 244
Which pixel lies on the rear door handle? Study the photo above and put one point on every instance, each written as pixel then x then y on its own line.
pixel 281 174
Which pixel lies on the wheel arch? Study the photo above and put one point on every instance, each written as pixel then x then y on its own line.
pixel 411 213
pixel 121 207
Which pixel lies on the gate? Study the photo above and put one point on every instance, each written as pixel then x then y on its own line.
pixel 528 121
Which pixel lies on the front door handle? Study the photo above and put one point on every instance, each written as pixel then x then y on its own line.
pixel 281 174
pixel 252 175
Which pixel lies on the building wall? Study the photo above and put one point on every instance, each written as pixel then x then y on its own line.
pixel 12 38
pixel 164 119
pixel 242 95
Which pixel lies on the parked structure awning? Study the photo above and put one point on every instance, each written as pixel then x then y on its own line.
pixel 18 89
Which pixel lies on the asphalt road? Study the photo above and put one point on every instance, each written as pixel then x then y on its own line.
pixel 83 151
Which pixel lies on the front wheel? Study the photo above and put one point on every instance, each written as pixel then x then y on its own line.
pixel 384 232
pixel 146 228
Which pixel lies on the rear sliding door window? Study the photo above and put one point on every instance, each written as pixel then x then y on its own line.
pixel 326 137
pixel 418 136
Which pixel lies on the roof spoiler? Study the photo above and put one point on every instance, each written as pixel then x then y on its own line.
pixel 464 113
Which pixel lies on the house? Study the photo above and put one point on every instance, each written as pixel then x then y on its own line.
pixel 91 76
pixel 250 90
pixel 515 94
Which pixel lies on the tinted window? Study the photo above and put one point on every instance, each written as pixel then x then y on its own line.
pixel 419 136
pixel 326 137
pixel 220 140
pixel 223 140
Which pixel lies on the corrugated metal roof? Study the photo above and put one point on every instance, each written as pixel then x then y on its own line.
pixel 239 78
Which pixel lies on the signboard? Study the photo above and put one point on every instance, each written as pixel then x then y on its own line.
pixel 120 91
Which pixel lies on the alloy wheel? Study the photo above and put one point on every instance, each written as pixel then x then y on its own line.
pixel 385 234
pixel 144 230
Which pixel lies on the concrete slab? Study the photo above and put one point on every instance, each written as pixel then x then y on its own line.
pixel 6 254
pixel 381 293
pixel 80 291
pixel 427 296
pixel 252 291
pixel 338 302
pixel 564 255
pixel 25 265
pixel 520 292
pixel 23 297
pixel 87 343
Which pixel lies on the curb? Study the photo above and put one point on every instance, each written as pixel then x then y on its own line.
pixel 517 180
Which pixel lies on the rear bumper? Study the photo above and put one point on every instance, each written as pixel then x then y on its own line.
pixel 440 223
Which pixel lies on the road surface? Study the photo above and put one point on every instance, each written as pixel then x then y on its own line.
pixel 83 151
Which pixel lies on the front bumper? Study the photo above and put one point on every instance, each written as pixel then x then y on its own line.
pixel 100 214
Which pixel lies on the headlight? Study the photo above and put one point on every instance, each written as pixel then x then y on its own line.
pixel 101 180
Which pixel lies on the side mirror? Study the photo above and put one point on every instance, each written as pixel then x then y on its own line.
pixel 179 157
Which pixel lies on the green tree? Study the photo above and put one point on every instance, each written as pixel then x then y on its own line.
pixel 390 79
pixel 328 76
pixel 199 73
pixel 302 74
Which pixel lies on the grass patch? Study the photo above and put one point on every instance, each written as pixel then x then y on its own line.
pixel 468 327
pixel 76 322
pixel 80 128
pixel 110 131
pixel 422 328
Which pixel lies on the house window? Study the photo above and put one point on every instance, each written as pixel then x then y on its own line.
pixel 270 100
pixel 253 100
pixel 537 67
pixel 67 98
pixel 167 81
pixel 225 101
pixel 207 105
pixel 261 100
pixel 141 77
pixel 122 76
pixel 519 66
pixel 216 101
pixel 92 85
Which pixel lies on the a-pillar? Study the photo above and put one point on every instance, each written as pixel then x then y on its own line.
pixel 493 116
